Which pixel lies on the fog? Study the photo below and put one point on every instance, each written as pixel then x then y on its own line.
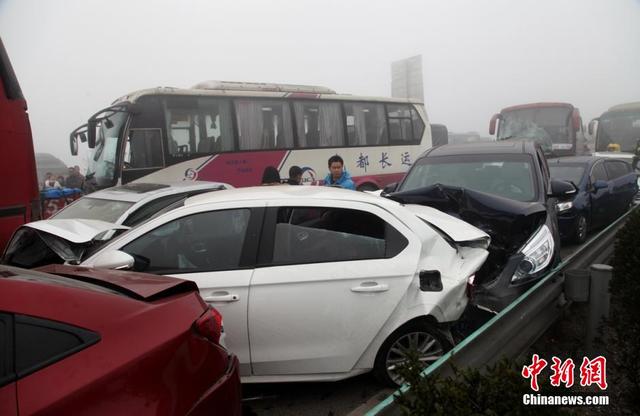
pixel 73 58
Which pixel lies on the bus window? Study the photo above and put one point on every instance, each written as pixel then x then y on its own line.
pixel 217 131
pixel 319 124
pixel 144 149
pixel 400 124
pixel 183 128
pixel 366 124
pixel 264 124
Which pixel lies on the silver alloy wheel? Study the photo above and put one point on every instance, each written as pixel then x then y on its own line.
pixel 427 346
pixel 582 228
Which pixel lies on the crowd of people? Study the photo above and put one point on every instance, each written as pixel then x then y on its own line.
pixel 74 180
pixel 337 176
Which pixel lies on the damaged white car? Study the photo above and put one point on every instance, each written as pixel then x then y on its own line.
pixel 314 283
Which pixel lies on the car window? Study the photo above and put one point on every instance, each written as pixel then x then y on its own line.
pixel 41 342
pixel 616 169
pixel 151 208
pixel 206 241
pixel 598 173
pixel 508 176
pixel 94 209
pixel 315 235
pixel 6 349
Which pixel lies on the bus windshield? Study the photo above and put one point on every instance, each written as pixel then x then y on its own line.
pixel 102 163
pixel 547 124
pixel 618 128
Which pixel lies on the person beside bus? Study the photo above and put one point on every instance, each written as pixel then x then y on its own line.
pixel 295 175
pixel 75 179
pixel 271 176
pixel 50 182
pixel 338 176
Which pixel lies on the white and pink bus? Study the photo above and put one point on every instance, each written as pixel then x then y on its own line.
pixel 231 131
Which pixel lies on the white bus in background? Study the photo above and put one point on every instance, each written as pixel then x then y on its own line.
pixel 231 131
pixel 617 132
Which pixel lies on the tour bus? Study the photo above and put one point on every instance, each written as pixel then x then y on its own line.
pixel 19 202
pixel 231 131
pixel 556 126
pixel 618 132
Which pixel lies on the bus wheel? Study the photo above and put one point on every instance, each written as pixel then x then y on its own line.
pixel 367 187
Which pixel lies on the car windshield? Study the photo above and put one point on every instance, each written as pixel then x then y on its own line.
pixel 95 209
pixel 622 129
pixel 548 125
pixel 509 176
pixel 102 162
pixel 571 173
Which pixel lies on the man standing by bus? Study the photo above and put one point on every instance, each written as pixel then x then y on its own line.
pixel 337 175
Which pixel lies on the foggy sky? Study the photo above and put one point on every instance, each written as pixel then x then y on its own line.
pixel 73 58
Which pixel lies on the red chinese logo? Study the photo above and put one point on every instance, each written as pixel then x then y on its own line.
pixel 562 372
pixel 531 371
pixel 594 372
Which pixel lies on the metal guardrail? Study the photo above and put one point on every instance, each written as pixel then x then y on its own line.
pixel 511 332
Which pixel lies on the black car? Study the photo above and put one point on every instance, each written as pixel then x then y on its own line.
pixel 606 188
pixel 505 189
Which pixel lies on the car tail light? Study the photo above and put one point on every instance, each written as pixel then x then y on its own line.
pixel 209 325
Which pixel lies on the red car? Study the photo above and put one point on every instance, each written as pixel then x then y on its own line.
pixel 75 341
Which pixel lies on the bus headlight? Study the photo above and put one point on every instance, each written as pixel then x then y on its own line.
pixel 538 252
pixel 564 206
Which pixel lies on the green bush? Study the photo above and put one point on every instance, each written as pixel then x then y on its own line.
pixel 497 390
pixel 625 291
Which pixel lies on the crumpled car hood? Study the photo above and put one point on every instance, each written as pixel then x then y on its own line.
pixel 509 223
pixel 76 231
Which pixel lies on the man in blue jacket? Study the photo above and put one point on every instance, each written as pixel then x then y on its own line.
pixel 337 175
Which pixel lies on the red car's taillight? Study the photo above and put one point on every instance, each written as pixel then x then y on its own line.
pixel 209 325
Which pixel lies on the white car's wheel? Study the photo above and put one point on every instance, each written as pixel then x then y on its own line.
pixel 426 339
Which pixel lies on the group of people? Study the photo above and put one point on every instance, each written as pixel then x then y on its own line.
pixel 74 179
pixel 337 175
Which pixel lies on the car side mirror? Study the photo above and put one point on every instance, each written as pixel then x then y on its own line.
pixel 114 259
pixel 390 188
pixel 600 184
pixel 561 189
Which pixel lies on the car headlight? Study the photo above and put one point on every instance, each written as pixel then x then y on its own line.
pixel 564 206
pixel 538 252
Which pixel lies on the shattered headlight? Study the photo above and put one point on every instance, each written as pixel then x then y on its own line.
pixel 564 206
pixel 538 252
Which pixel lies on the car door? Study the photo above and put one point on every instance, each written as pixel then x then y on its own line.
pixel 330 276
pixel 213 246
pixel 8 393
pixel 623 187
pixel 600 198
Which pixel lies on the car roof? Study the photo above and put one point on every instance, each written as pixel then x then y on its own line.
pixel 319 193
pixel 138 191
pixel 497 147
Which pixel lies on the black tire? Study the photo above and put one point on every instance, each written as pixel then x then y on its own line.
pixel 367 187
pixel 420 333
pixel 582 229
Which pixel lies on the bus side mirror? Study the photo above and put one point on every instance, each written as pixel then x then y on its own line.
pixel 73 144
pixel 575 120
pixel 92 125
pixel 492 124
pixel 591 127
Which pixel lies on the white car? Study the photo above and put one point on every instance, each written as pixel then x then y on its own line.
pixel 314 283
pixel 134 202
